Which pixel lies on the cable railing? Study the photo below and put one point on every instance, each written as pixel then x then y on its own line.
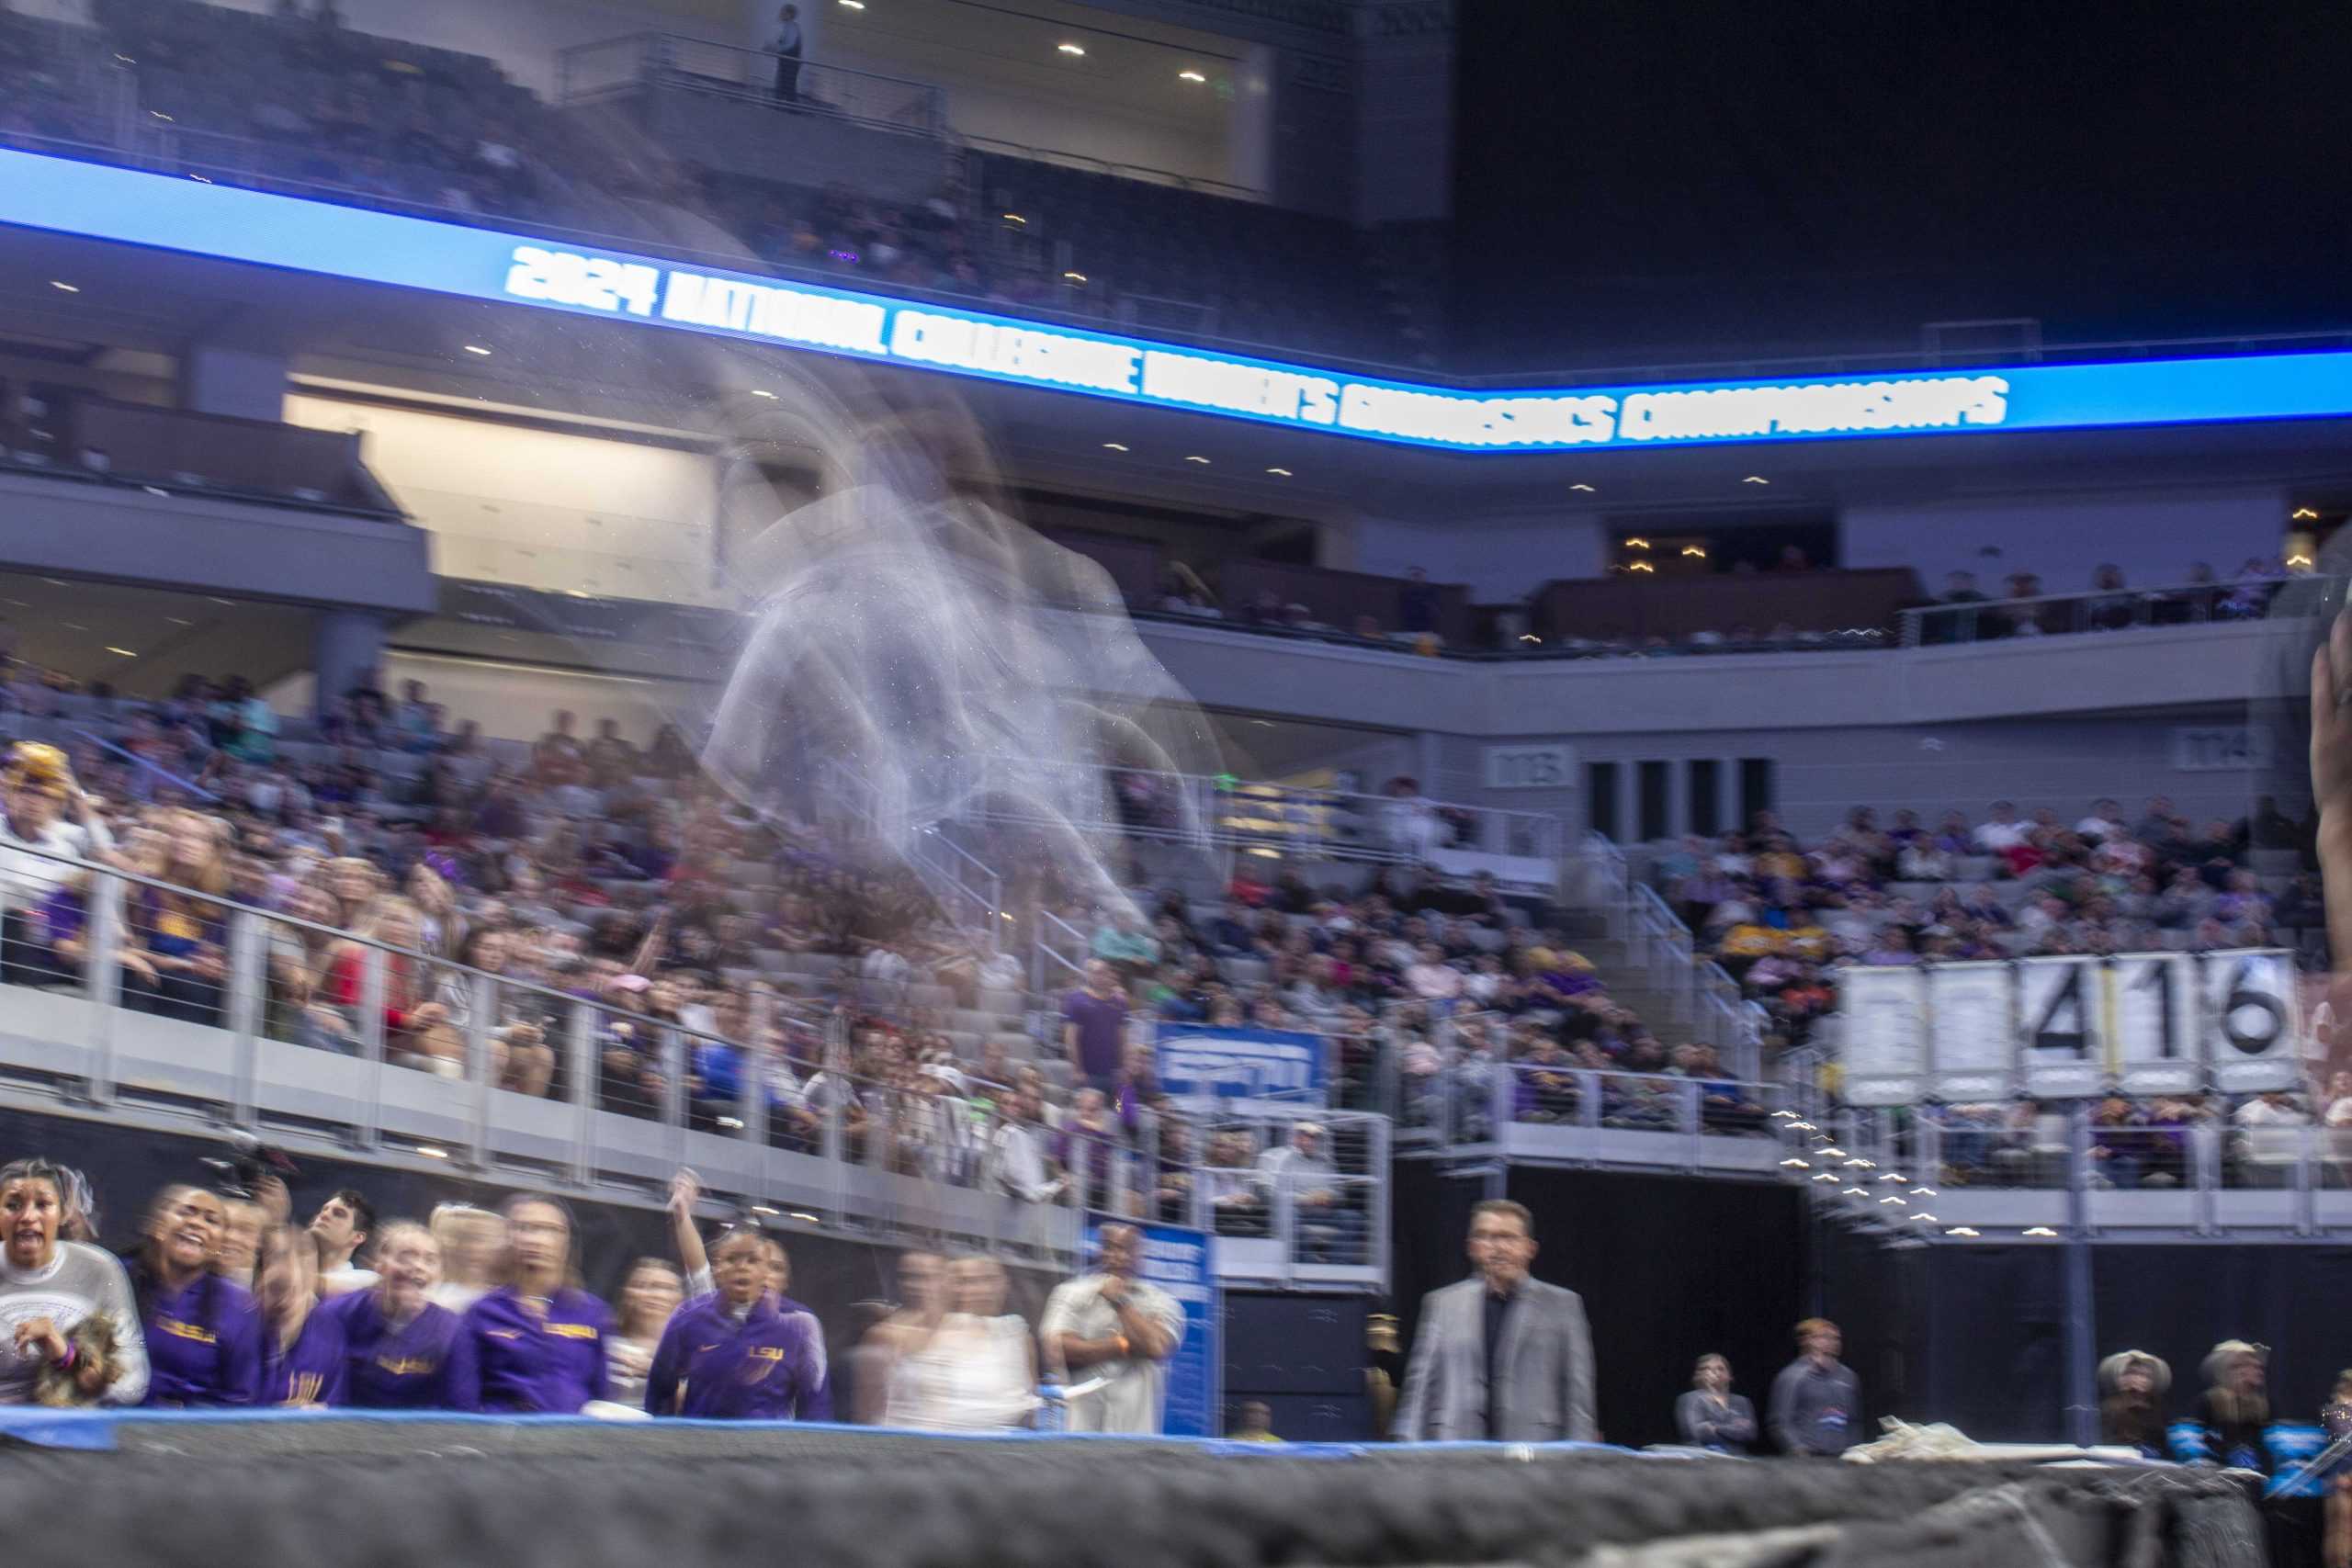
pixel 589 72
pixel 171 1009
pixel 2010 1169
pixel 2094 610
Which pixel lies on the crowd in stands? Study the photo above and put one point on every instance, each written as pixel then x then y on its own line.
pixel 1781 917
pixel 294 99
pixel 2024 607
pixel 219 1299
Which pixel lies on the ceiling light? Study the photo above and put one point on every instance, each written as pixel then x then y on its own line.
pixel 1015 218
pixel 1190 76
pixel 1854 1192
pixel 762 392
pixel 74 625
pixel 125 58
pixel 1114 446
pixel 218 600
pixel 124 652
pixel 59 283
pixel 1072 48
pixel 477 348
pixel 1279 473
pixel 1755 479
pixel 206 179
pixel 1922 1218
pixel 157 490
pixel 732 1123
pixel 1782 1116
pixel 1530 637
pixel 1587 489
pixel 1794 1163
pixel 762 1209
pixel 805 1217
pixel 159 114
pixel 1923 1192
pixel 1641 566
pixel 1073 278
pixel 853 4
pixel 1833 1152
pixel 1689 550
pixel 1826 1176
pixel 2039 1230
pixel 1963 1230
pixel 1891 1198
pixel 1195 458
pixel 429 1152
pixel 56 582
pixel 1637 544
pixel 2299 514
pixel 179 620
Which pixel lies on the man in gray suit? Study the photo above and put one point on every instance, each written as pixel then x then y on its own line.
pixel 1499 1356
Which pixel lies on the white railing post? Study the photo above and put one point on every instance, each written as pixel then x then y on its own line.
pixel 104 977
pixel 580 1069
pixel 371 1042
pixel 479 1017
pixel 246 987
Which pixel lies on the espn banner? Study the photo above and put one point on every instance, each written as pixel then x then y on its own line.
pixel 2068 1028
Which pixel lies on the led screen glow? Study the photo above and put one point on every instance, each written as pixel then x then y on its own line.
pixel 169 213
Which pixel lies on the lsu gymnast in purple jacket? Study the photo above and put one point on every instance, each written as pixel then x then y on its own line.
pixel 538 1339
pixel 203 1333
pixel 732 1355
pixel 404 1352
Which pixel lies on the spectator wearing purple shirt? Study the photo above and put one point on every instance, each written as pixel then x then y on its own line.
pixel 203 1334
pixel 538 1340
pixel 405 1352
pixel 302 1350
pixel 1094 1022
pixel 733 1355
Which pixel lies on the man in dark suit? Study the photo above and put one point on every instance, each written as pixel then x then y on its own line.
pixel 1499 1356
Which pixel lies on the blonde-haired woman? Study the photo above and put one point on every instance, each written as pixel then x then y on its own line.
pixel 182 929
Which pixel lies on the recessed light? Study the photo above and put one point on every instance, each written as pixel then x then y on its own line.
pixel 1073 278
pixel 159 114
pixel 762 392
pixel 2039 1230
pixel 1114 446
pixel 56 582
pixel 125 59
pixel 853 4
pixel 1190 76
pixel 202 179
pixel 1587 489
pixel 157 490
pixel 216 600
pixel 1201 461
pixel 179 620
pixel 74 625
pixel 805 1217
pixel 1755 479
pixel 764 1209
pixel 124 652
pixel 1015 218
pixel 1963 1230
pixel 60 284
pixel 429 1152
pixel 1072 48
pixel 2301 512
pixel 477 348
pixel 1279 473
pixel 733 1123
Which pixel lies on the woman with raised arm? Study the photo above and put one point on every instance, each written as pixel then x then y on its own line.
pixel 732 1356
pixel 69 1325
pixel 538 1339
pixel 406 1352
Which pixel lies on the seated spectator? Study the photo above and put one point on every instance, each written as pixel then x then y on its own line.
pixel 1326 1230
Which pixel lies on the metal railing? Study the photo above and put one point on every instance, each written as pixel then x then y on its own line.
pixel 2094 610
pixel 1292 821
pixel 166 1008
pixel 587 71
pixel 1142 173
pixel 2021 1170
pixel 1656 938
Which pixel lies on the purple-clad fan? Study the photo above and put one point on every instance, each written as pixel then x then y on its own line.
pixel 405 1352
pixel 732 1356
pixel 203 1333
pixel 301 1342
pixel 538 1339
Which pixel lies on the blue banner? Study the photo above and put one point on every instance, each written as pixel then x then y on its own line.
pixel 1178 1260
pixel 1242 1064
pixel 198 218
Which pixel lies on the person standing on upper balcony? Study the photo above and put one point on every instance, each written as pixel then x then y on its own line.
pixel 786 46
